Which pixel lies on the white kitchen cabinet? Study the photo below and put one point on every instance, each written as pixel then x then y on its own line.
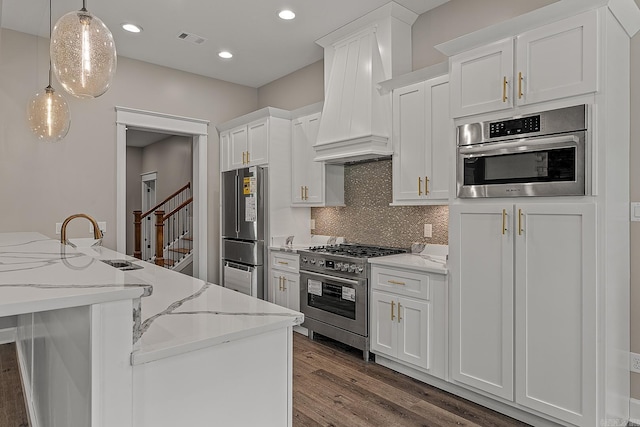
pixel 555 310
pixel 554 61
pixel 284 279
pixel 407 321
pixel 550 251
pixel 246 145
pixel 481 297
pixel 422 135
pixel 313 183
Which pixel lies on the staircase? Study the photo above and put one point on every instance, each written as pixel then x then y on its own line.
pixel 165 239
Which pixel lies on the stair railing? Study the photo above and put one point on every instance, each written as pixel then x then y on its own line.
pixel 145 229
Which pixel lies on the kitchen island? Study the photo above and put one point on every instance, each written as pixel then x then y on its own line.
pixel 143 347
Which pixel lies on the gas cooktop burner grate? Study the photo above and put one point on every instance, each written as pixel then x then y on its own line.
pixel 357 251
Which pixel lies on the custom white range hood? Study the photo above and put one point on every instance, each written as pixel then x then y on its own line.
pixel 356 118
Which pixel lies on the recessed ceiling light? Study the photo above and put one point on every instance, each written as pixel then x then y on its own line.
pixel 286 14
pixel 132 28
pixel 225 55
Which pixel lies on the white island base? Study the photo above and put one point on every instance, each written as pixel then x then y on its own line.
pixel 102 347
pixel 238 383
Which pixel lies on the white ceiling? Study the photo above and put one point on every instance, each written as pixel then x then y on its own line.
pixel 265 47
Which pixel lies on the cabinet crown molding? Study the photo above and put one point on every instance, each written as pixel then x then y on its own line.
pixel 625 11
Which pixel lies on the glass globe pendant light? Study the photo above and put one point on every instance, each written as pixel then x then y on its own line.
pixel 83 54
pixel 48 111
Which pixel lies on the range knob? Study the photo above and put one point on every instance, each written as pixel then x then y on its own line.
pixel 338 266
pixel 304 259
pixel 360 269
pixel 321 262
pixel 312 261
pixel 345 267
pixel 352 268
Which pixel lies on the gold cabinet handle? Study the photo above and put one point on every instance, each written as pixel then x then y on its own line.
pixel 419 186
pixel 393 304
pixel 399 317
pixel 301 192
pixel 426 185
pixel 394 282
pixel 248 161
pixel 520 230
pixel 284 284
pixel 520 94
pixel 504 221
pixel 280 283
pixel 283 262
pixel 244 156
pixel 504 89
pixel 306 192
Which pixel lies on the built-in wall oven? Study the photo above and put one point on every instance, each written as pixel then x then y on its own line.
pixel 542 154
pixel 334 292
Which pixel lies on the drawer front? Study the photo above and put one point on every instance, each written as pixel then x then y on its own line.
pixel 285 261
pixel 401 282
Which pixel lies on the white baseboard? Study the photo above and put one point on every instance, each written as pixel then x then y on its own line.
pixel 7 335
pixel 634 411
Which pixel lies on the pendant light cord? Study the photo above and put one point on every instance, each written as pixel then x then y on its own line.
pixel 50 18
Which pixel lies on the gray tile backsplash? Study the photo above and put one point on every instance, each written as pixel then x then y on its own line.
pixel 367 217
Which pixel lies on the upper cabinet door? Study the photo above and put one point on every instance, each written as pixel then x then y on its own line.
pixel 314 171
pixel 557 60
pixel 410 147
pixel 439 139
pixel 422 135
pixel 258 143
pixel 238 143
pixel 481 79
pixel 225 152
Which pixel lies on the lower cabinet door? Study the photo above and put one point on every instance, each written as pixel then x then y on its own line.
pixel 285 289
pixel 556 367
pixel 291 284
pixel 481 297
pixel 413 332
pixel 383 321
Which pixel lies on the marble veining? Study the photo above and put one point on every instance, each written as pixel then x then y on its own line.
pixel 172 313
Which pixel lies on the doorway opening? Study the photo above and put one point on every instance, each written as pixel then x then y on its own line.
pixel 196 132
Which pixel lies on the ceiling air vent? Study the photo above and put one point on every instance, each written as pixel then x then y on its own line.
pixel 193 38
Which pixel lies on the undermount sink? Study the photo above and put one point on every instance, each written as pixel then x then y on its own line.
pixel 121 264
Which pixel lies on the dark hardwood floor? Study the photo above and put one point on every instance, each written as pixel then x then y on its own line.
pixel 12 405
pixel 333 386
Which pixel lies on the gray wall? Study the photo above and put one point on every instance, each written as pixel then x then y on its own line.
pixel 171 159
pixel 41 184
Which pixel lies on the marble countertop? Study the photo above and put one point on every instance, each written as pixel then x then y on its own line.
pixel 426 263
pixel 177 313
pixel 433 259
pixel 39 274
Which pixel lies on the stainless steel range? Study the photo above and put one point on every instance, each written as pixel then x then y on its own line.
pixel 334 291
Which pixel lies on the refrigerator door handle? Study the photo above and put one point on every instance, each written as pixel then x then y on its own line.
pixel 237 203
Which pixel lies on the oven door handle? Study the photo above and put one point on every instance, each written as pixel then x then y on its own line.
pixel 520 146
pixel 333 278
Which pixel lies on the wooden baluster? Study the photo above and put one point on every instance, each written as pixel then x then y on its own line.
pixel 137 225
pixel 160 238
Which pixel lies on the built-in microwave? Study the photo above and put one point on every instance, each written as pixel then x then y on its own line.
pixel 541 154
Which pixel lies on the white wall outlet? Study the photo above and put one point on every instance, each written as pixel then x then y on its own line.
pixel 58 227
pixel 635 211
pixel 101 224
pixel 634 362
pixel 428 230
pixel 312 224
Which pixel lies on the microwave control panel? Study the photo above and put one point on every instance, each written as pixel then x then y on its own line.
pixel 519 126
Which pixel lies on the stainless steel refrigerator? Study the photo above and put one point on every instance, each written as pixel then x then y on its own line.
pixel 244 230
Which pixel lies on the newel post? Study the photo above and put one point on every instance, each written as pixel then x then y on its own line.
pixel 137 225
pixel 160 238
